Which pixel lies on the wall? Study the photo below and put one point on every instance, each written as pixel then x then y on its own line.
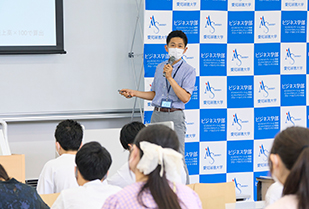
pixel 98 37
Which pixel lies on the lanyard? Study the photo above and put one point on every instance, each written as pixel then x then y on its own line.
pixel 169 87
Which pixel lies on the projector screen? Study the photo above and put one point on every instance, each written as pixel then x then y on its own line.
pixel 31 26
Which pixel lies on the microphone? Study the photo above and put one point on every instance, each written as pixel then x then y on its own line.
pixel 170 61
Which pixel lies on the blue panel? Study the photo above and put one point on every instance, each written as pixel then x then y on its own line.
pixel 212 59
pixel 147 116
pixel 192 157
pixel 267 59
pixel 188 22
pixel 262 5
pixel 239 91
pixel 293 90
pixel 213 178
pixel 194 101
pixel 239 156
pixel 154 54
pixel 240 27
pixel 159 4
pixel 293 26
pixel 214 5
pixel 266 122
pixel 213 124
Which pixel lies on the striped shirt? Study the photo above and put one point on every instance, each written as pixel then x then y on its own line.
pixel 185 78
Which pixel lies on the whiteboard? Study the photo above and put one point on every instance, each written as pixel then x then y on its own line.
pixel 97 37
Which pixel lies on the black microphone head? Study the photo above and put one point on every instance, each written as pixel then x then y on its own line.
pixel 171 60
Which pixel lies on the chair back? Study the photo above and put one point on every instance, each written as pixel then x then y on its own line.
pixel 49 199
pixel 169 124
pixel 215 195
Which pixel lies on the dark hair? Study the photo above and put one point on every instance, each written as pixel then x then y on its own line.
pixel 3 173
pixel 69 134
pixel 292 147
pixel 159 186
pixel 93 161
pixel 177 33
pixel 129 132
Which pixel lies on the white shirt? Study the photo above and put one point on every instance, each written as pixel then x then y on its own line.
pixel 91 195
pixel 273 193
pixel 124 176
pixel 286 202
pixel 57 175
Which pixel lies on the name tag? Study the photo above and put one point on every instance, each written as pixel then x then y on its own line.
pixel 166 103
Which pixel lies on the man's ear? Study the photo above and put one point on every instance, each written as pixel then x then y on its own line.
pixel 184 51
pixel 57 146
pixel 166 48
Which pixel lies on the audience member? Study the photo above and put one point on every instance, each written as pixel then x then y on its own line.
pixel 289 165
pixel 92 164
pixel 58 174
pixel 124 177
pixel 156 163
pixel 15 194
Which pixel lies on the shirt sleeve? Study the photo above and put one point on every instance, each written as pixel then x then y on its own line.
pixel 45 182
pixel 189 82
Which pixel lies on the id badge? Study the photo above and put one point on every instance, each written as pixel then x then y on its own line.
pixel 166 103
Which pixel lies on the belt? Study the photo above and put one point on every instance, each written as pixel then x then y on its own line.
pixel 162 109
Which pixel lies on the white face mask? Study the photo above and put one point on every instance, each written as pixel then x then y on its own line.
pixel 175 52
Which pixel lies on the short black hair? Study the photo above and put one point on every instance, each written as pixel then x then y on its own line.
pixel 93 161
pixel 129 132
pixel 69 134
pixel 177 33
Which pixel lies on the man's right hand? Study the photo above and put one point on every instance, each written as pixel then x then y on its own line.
pixel 127 93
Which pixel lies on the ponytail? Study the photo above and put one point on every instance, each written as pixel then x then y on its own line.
pixel 297 182
pixel 160 190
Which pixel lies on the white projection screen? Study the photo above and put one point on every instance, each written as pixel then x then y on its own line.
pixel 31 27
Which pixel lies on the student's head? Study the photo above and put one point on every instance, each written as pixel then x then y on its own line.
pixel 3 174
pixel 289 161
pixel 92 161
pixel 129 132
pixel 158 185
pixel 176 44
pixel 69 135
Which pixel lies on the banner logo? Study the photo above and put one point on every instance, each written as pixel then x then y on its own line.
pixel 290 56
pixel 263 153
pixel 264 88
pixel 265 24
pixel 155 25
pixel 238 122
pixel 238 186
pixel 290 118
pixel 238 57
pixel 210 90
pixel 210 155
pixel 211 24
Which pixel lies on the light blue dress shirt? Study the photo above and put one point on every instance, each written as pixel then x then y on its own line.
pixel 185 77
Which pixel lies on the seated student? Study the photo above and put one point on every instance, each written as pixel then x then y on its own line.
pixel 156 163
pixel 14 194
pixel 92 164
pixel 124 177
pixel 58 174
pixel 289 165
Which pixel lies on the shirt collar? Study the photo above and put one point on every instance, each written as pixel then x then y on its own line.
pixel 178 63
